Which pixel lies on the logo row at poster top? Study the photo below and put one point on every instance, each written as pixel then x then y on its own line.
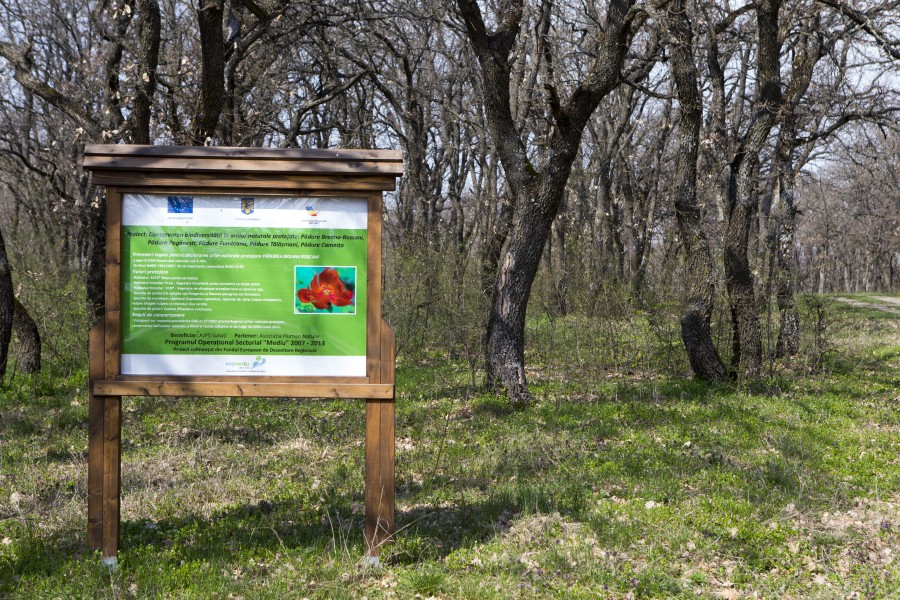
pixel 244 211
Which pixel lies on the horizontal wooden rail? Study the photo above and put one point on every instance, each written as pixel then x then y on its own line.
pixel 223 388
pixel 331 154
pixel 284 183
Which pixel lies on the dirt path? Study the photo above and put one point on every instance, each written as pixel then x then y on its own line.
pixel 888 300
pixel 891 305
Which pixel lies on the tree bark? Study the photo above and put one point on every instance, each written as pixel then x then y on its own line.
pixel 114 120
pixel 696 332
pixel 784 230
pixel 212 71
pixel 7 304
pixel 537 194
pixel 147 61
pixel 558 268
pixel 809 51
pixel 742 199
pixel 28 337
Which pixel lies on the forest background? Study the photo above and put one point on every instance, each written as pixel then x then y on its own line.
pixel 708 160
pixel 594 191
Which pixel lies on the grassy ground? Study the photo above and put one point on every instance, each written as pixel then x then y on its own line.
pixel 619 482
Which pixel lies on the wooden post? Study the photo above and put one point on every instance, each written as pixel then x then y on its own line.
pixel 104 455
pixel 380 456
pixel 379 475
pixel 95 439
pixel 112 475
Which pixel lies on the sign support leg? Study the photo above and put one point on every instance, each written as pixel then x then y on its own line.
pixel 379 476
pixel 104 456
pixel 95 440
pixel 112 475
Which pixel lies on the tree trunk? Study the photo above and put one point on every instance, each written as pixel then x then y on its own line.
pixel 537 195
pixel 696 332
pixel 147 61
pixel 505 343
pixel 518 266
pixel 558 267
pixel 29 339
pixel 742 199
pixel 746 360
pixel 212 71
pixel 784 227
pixel 494 242
pixel 7 303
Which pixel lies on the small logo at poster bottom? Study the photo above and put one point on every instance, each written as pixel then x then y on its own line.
pixel 247 206
pixel 260 361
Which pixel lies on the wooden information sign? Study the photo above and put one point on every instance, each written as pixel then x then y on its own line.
pixel 241 272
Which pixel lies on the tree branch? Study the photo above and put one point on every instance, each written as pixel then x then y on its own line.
pixel 865 23
pixel 17 58
pixel 297 121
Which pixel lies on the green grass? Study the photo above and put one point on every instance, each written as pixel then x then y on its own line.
pixel 622 480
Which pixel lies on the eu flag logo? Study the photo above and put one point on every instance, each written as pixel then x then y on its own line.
pixel 247 206
pixel 181 204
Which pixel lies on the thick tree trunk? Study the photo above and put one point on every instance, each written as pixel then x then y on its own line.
pixel 519 261
pixel 29 339
pixel 742 199
pixel 696 333
pixel 7 303
pixel 147 60
pixel 746 358
pixel 505 342
pixel 212 71
pixel 537 195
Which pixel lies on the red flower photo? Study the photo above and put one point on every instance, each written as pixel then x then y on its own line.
pixel 326 291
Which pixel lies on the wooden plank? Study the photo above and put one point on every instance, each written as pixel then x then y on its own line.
pixel 338 154
pixel 229 165
pixel 373 287
pixel 374 253
pixel 379 493
pixel 238 389
pixel 299 184
pixel 388 354
pixel 247 379
pixel 380 448
pixel 112 474
pixel 255 192
pixel 95 440
pixel 113 288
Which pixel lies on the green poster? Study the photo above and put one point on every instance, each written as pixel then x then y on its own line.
pixel 215 285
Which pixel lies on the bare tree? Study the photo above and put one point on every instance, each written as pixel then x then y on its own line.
pixel 537 190
pixel 696 331
pixel 743 199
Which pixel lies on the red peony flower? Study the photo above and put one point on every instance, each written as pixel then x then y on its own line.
pixel 326 290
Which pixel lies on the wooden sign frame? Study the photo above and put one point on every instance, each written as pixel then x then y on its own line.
pixel 205 171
